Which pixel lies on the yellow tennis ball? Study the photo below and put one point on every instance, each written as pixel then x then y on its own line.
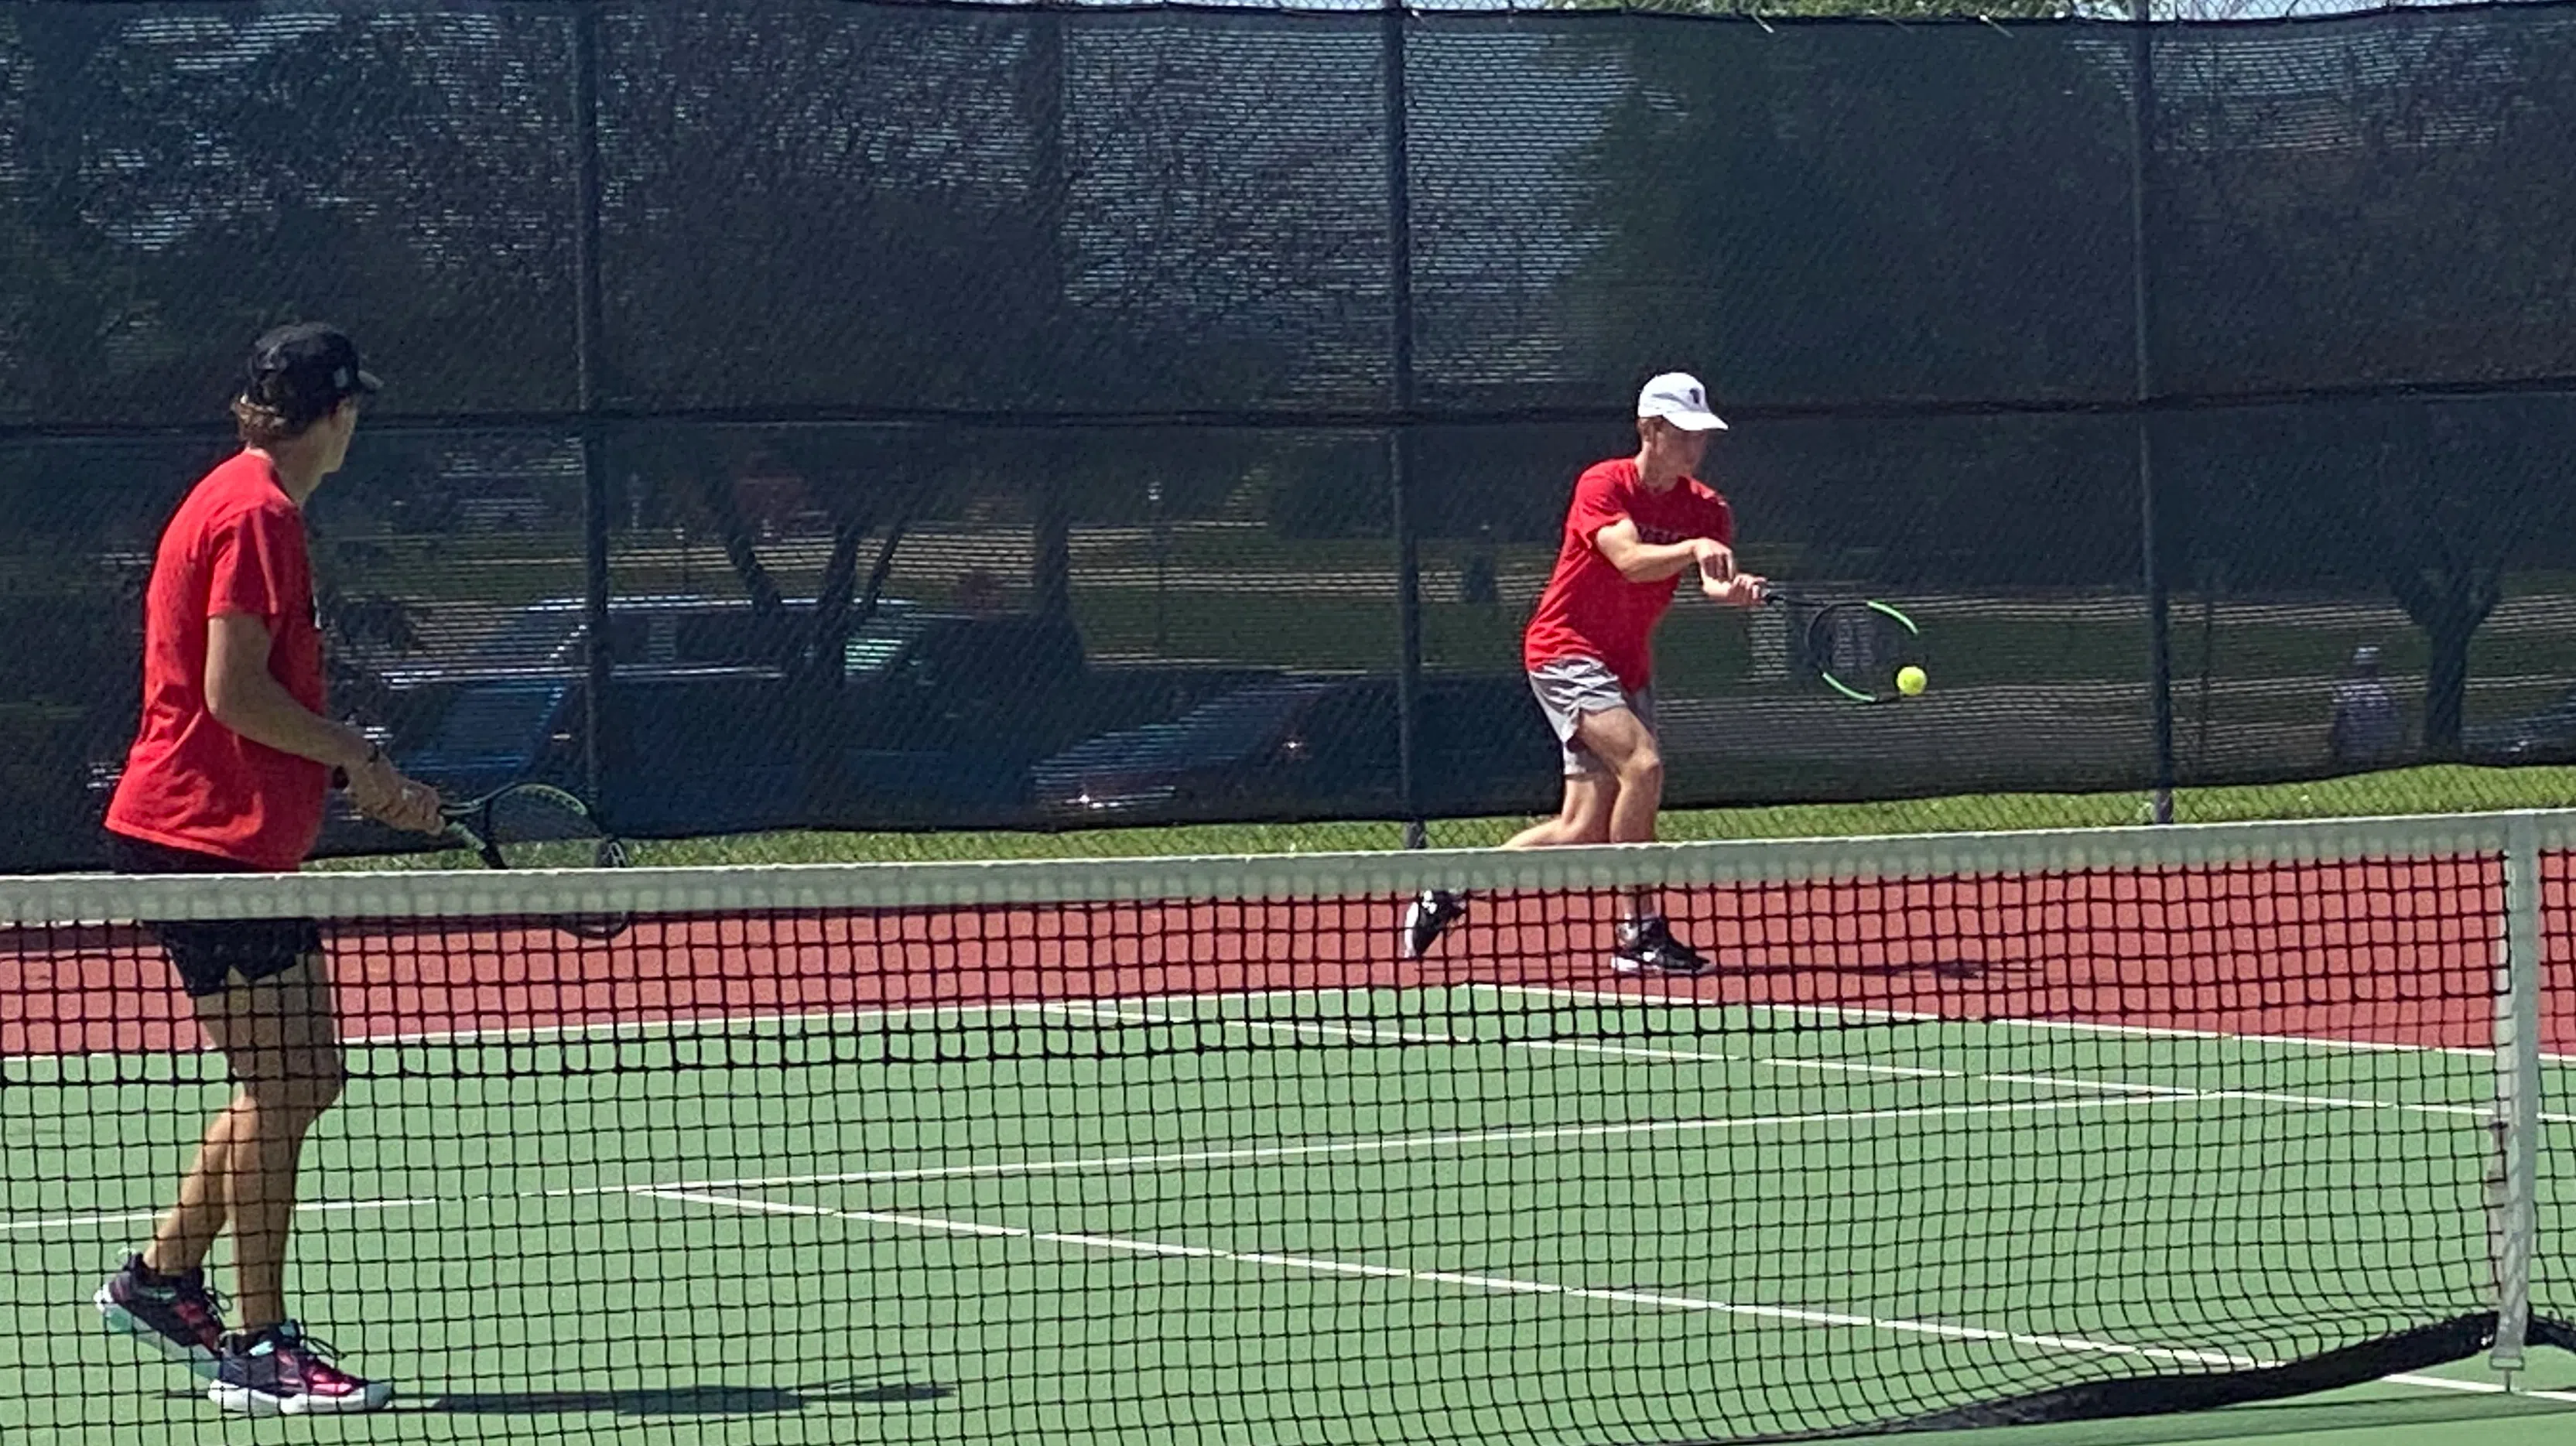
pixel 1910 680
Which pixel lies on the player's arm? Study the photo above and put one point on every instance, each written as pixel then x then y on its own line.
pixel 245 697
pixel 1641 561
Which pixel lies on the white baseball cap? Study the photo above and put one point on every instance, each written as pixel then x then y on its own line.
pixel 1678 398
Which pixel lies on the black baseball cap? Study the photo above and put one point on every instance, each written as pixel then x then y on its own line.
pixel 305 370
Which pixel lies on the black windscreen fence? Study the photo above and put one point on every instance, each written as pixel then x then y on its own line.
pixel 1019 417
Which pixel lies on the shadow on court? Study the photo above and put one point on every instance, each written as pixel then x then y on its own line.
pixel 2254 1423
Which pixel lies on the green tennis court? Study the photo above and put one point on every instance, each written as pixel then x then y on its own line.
pixel 1312 1215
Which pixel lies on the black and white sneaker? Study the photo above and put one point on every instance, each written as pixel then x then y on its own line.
pixel 1647 946
pixel 1428 917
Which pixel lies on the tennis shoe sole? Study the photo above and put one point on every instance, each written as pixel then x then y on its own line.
pixel 1658 968
pixel 249 1401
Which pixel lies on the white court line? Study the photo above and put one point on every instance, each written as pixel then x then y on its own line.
pixel 1138 1012
pixel 1164 1160
pixel 727 1024
pixel 1398 1144
pixel 2487 1388
pixel 2111 1093
pixel 1507 1285
pixel 711 1024
pixel 140 1217
pixel 2068 1026
pixel 1794 1062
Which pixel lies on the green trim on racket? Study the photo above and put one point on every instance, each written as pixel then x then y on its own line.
pixel 1823 609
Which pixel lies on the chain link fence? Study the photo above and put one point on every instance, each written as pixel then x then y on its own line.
pixel 1030 417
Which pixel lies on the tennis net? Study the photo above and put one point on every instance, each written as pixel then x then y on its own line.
pixel 1961 1130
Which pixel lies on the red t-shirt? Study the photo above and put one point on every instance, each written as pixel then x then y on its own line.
pixel 1588 609
pixel 236 545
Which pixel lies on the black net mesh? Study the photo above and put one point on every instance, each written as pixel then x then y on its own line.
pixel 2553 1282
pixel 1969 1130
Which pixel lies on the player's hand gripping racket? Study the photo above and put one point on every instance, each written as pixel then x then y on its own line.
pixel 530 825
pixel 1866 650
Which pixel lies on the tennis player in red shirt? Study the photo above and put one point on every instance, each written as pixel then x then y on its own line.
pixel 1636 525
pixel 228 774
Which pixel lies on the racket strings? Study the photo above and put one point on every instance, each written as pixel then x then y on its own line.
pixel 1857 648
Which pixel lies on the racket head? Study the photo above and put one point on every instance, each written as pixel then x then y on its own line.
pixel 1854 646
pixel 539 826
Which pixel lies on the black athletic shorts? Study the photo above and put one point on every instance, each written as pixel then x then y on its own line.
pixel 210 956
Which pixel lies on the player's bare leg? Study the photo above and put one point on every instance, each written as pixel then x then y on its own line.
pixel 1627 747
pixel 1590 799
pixel 1616 804
pixel 281 1046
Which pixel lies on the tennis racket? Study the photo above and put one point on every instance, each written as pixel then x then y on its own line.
pixel 536 825
pixel 1855 645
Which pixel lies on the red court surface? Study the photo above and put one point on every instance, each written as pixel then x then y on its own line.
pixel 2391 953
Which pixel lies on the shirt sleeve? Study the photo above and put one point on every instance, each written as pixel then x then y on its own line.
pixel 253 559
pixel 1720 520
pixel 1597 504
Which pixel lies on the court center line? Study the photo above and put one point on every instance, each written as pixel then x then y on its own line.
pixel 1509 1285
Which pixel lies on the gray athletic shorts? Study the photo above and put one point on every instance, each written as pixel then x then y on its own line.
pixel 1571 687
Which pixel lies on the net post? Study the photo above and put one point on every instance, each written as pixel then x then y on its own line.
pixel 2142 321
pixel 2513 1185
pixel 1408 678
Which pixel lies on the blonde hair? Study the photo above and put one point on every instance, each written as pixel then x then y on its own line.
pixel 258 424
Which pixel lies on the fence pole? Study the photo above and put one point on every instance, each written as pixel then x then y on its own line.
pixel 1043 84
pixel 2159 604
pixel 1399 436
pixel 596 712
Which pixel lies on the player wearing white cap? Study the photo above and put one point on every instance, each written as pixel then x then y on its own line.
pixel 1635 526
